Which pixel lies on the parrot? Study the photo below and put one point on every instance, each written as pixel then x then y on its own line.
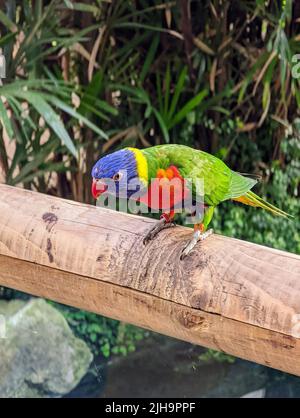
pixel 153 167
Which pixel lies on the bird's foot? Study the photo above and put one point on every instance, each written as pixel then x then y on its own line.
pixel 163 223
pixel 197 236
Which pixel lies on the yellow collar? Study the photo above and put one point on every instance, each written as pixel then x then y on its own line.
pixel 141 164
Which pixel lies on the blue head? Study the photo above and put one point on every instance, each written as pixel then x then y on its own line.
pixel 118 169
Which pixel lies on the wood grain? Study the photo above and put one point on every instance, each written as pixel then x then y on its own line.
pixel 228 294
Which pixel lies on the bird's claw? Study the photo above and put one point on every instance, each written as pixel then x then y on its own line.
pixel 197 236
pixel 159 226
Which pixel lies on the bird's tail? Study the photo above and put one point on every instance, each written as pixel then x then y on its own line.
pixel 252 199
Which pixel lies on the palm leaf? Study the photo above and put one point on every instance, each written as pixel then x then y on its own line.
pixel 6 123
pixel 50 116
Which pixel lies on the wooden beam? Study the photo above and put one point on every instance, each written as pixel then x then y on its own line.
pixel 230 295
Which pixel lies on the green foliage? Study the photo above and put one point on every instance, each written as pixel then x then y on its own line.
pixel 104 336
pixel 140 73
pixel 216 356
pixel 34 98
pixel 258 226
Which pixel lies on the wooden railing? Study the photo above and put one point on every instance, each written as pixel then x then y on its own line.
pixel 230 295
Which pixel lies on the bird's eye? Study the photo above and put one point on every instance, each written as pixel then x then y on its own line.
pixel 117 176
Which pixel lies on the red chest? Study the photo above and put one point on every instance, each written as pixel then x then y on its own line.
pixel 167 190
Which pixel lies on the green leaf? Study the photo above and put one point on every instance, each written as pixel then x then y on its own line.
pixel 91 110
pixel 269 72
pixel 18 112
pixel 51 118
pixel 159 92
pixel 7 38
pixel 297 95
pixel 167 88
pixel 266 96
pixel 81 7
pixel 249 77
pixel 5 120
pixel 143 26
pixel 55 168
pixel 162 125
pixel 140 93
pixel 72 112
pixel 106 107
pixel 188 107
pixel 7 22
pixel 130 46
pixel 149 58
pixel 221 110
pixel 31 166
pixel 92 91
pixel 178 90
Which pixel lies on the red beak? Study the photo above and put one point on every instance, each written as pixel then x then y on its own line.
pixel 98 188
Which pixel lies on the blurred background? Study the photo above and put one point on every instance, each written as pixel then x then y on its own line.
pixel 85 78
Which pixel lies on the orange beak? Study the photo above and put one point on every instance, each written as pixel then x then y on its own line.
pixel 98 188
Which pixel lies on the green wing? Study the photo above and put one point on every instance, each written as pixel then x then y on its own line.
pixel 220 182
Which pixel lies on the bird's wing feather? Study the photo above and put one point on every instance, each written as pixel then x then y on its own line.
pixel 239 185
pixel 219 181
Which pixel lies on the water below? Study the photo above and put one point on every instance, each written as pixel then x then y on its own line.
pixel 165 367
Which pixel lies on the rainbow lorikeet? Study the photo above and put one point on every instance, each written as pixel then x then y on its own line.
pixel 151 166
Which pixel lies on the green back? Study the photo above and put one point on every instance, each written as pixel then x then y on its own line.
pixel 220 182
